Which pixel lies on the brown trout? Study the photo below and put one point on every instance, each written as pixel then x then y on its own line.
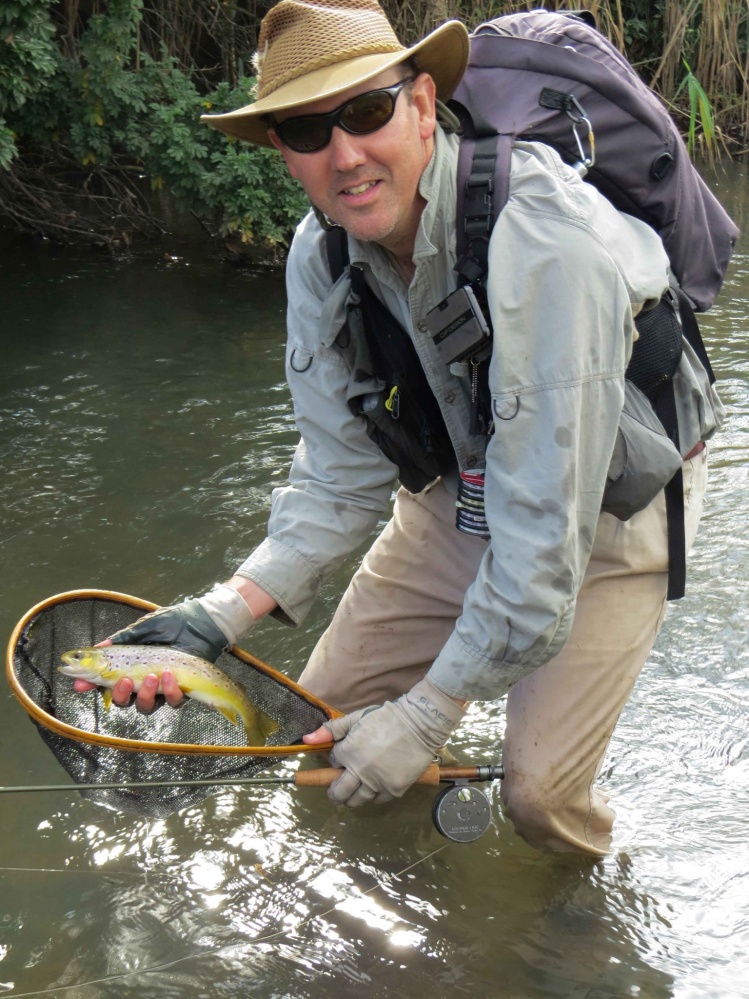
pixel 196 678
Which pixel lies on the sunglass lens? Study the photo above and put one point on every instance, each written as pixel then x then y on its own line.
pixel 305 135
pixel 368 112
pixel 361 115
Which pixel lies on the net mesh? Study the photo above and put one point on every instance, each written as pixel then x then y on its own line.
pixel 77 623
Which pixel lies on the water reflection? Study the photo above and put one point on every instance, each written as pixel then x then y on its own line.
pixel 143 423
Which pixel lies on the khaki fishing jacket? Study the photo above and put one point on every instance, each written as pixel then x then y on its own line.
pixel 567 274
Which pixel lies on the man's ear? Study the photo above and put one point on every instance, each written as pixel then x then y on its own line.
pixel 282 150
pixel 423 97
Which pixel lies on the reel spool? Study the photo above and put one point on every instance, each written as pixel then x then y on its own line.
pixel 462 813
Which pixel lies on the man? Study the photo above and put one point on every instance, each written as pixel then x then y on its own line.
pixel 561 604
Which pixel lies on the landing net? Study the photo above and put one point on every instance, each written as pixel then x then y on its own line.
pixel 96 745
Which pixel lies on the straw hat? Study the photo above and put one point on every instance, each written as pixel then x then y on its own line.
pixel 310 49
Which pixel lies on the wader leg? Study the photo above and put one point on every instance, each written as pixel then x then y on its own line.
pixel 560 718
pixel 401 607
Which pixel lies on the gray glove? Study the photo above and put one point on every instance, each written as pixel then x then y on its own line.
pixel 385 749
pixel 203 626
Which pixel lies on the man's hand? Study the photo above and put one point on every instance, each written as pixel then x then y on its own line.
pixel 203 626
pixel 385 749
pixel 146 698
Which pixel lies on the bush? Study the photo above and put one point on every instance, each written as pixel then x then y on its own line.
pixel 116 118
pixel 27 61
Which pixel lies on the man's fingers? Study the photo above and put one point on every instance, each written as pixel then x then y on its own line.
pixel 319 736
pixel 146 697
pixel 82 686
pixel 122 692
pixel 362 796
pixel 348 790
pixel 146 700
pixel 170 689
pixel 341 790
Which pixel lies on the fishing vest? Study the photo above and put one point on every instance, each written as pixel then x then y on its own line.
pixel 403 418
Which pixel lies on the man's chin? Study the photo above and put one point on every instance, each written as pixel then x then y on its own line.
pixel 366 230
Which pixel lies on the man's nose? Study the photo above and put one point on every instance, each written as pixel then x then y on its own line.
pixel 346 151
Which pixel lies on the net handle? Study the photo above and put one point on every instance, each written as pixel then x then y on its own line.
pixel 137 745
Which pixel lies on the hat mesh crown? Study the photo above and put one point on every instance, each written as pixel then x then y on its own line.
pixel 299 37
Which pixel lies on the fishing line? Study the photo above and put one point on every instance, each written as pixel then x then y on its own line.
pixel 213 953
pixel 100 873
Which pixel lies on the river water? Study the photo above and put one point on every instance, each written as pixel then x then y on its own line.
pixel 143 422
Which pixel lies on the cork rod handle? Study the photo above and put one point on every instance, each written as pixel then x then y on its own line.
pixel 432 775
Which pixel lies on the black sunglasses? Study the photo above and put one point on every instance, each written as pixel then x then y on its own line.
pixel 359 116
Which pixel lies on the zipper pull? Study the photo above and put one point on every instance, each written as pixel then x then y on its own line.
pixel 473 427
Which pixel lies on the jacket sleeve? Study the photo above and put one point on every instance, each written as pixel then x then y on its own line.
pixel 340 483
pixel 562 308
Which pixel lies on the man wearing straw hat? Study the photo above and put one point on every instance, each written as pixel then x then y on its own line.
pixel 560 606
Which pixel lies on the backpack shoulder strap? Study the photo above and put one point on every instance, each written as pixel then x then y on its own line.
pixel 691 330
pixel 336 245
pixel 483 187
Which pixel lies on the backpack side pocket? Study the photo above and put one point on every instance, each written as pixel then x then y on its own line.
pixel 644 458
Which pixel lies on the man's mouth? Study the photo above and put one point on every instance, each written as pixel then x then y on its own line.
pixel 360 188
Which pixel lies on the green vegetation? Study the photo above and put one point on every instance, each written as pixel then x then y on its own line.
pixel 700 110
pixel 100 103
pixel 91 123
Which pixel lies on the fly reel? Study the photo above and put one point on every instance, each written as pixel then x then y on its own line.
pixel 461 812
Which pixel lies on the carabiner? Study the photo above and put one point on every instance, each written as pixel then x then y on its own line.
pixel 576 114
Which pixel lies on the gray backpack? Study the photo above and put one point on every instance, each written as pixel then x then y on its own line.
pixel 552 77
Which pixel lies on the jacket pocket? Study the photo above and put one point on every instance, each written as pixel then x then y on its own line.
pixel 644 458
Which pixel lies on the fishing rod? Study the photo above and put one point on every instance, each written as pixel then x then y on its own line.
pixel 323 777
pixel 461 813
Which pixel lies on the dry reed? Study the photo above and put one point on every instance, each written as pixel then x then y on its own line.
pixel 215 40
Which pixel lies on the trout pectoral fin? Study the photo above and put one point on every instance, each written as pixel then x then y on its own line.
pixel 106 696
pixel 229 713
pixel 268 726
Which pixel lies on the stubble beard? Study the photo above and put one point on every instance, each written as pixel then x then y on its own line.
pixel 386 227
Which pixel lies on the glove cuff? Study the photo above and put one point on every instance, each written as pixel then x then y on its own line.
pixel 228 611
pixel 433 712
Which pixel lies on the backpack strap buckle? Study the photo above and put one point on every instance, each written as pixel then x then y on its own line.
pixel 482 200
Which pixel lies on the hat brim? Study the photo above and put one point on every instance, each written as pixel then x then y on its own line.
pixel 443 54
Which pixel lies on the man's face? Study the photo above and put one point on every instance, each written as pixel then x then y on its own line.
pixel 369 183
